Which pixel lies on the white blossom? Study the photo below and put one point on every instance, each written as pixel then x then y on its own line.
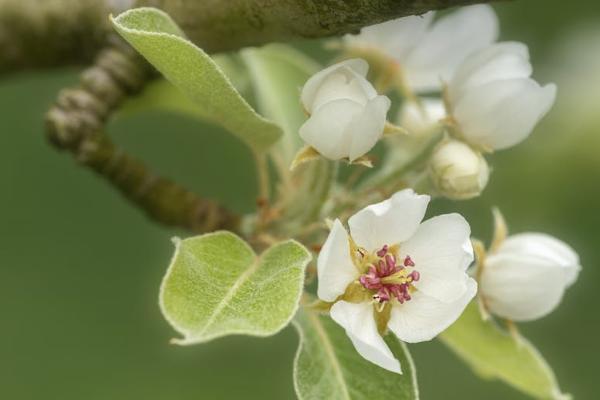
pixel 415 268
pixel 428 51
pixel 493 100
pixel 526 277
pixel 347 116
pixel 457 171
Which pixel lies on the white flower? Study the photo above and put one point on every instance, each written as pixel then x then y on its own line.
pixel 395 267
pixel 526 277
pixel 493 99
pixel 347 116
pixel 457 171
pixel 423 117
pixel 425 50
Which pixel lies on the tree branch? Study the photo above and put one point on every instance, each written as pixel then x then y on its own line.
pixel 35 33
pixel 218 25
pixel 76 124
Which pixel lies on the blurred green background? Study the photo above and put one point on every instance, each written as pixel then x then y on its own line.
pixel 80 268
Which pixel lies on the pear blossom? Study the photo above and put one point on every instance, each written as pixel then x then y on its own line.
pixel 457 171
pixel 347 116
pixel 427 51
pixel 526 276
pixel 395 269
pixel 492 99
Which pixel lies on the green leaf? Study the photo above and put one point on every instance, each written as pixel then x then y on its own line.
pixel 278 73
pixel 161 95
pixel 493 353
pixel 328 367
pixel 217 286
pixel 156 36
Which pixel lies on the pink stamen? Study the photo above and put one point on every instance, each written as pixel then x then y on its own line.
pixel 415 275
pixel 386 266
pixel 383 251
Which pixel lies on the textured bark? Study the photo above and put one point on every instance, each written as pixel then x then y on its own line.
pixel 76 124
pixel 218 25
pixel 46 33
pixel 43 33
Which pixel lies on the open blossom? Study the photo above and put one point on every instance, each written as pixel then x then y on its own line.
pixel 427 51
pixel 493 100
pixel 526 277
pixel 347 116
pixel 395 269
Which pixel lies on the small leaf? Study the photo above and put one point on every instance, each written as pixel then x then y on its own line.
pixel 328 367
pixel 162 95
pixel 217 286
pixel 365 161
pixel 391 129
pixel 304 155
pixel 155 36
pixel 493 353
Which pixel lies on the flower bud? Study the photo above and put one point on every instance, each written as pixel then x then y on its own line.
pixel 494 102
pixel 526 277
pixel 457 171
pixel 347 117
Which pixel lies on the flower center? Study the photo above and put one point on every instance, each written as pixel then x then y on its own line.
pixel 387 279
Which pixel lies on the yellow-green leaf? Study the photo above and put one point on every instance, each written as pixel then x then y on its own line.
pixel 156 36
pixel 216 285
pixel 328 367
pixel 494 354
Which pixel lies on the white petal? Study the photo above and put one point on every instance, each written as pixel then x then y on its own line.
pixel 501 61
pixel 527 276
pixel 389 222
pixel 327 129
pixel 502 114
pixel 360 326
pixel 423 317
pixel 447 43
pixel 546 247
pixel 344 83
pixel 522 288
pixel 312 86
pixel 441 250
pixel 334 266
pixel 367 128
pixel 396 38
pixel 420 119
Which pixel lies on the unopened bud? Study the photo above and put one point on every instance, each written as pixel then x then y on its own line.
pixel 457 171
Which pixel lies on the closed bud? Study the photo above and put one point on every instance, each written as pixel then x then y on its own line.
pixel 457 171
pixel 526 276
pixel 347 116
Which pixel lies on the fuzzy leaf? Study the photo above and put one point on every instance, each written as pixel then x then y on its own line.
pixel 278 73
pixel 162 95
pixel 217 286
pixel 328 367
pixel 493 353
pixel 156 36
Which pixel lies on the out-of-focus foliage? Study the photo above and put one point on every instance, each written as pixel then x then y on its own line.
pixel 496 354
